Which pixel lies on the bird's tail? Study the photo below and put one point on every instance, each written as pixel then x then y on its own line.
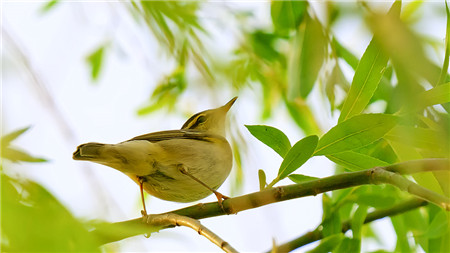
pixel 88 151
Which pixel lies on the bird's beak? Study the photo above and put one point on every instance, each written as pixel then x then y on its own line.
pixel 228 105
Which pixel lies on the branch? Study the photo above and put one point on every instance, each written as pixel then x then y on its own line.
pixel 121 230
pixel 316 234
pixel 169 220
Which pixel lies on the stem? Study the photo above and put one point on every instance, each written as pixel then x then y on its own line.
pixel 272 195
pixel 170 219
pixel 316 234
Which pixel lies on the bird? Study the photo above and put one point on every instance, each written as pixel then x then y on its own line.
pixel 184 165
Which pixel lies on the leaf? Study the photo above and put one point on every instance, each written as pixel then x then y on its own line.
pixel 358 222
pixel 355 161
pixel 345 54
pixel 298 178
pixel 365 81
pixel 15 155
pixel 402 45
pixel 444 70
pixel 328 243
pixel 35 220
pixel 437 95
pixel 287 15
pixel 297 155
pixel 355 132
pixel 375 199
pixel 272 137
pixel 303 116
pixel 419 137
pixel 438 226
pixel 8 138
pixel 49 5
pixel 313 53
pixel 95 60
pixel 348 245
pixel 262 179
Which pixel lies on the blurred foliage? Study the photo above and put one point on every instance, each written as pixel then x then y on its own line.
pixel 32 218
pixel 392 102
pixel 13 154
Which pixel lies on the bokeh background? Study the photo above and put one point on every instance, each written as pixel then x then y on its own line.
pixel 103 71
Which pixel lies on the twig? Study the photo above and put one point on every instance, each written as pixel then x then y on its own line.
pixel 316 234
pixel 170 219
pixel 310 188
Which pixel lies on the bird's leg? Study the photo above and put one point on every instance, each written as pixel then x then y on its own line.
pixel 141 187
pixel 220 197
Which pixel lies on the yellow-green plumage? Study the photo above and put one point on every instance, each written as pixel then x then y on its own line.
pixel 199 147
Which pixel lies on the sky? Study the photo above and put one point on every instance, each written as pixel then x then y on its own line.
pixel 46 84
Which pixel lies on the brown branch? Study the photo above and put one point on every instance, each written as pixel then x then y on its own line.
pixel 118 231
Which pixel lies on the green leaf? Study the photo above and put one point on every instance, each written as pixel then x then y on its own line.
pixel 8 138
pixel 297 155
pixel 345 54
pixel 365 81
pixel 328 243
pixel 262 179
pixel 348 245
pixel 437 95
pixel 302 115
pixel 287 15
pixel 444 70
pixel 419 137
pixel 402 45
pixel 375 199
pixel 298 178
pixel 95 60
pixel 313 53
pixel 272 137
pixel 358 222
pixel 438 226
pixel 355 161
pixel 35 220
pixel 401 231
pixel 355 132
pixel 15 155
pixel 49 5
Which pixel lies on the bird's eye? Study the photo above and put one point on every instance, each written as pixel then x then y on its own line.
pixel 201 119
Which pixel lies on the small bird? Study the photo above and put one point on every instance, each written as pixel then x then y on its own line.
pixel 176 165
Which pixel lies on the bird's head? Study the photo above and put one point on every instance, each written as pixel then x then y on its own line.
pixel 212 120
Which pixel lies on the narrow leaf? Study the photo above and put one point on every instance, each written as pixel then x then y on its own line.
pixel 312 55
pixel 444 70
pixel 355 161
pixel 328 243
pixel 49 5
pixel 437 95
pixel 95 60
pixel 287 15
pixel 355 132
pixel 358 221
pixel 348 245
pixel 345 54
pixel 365 81
pixel 6 139
pixel 298 178
pixel 272 137
pixel 15 155
pixel 402 45
pixel 298 155
pixel 262 179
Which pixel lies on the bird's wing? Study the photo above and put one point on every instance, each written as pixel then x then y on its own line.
pixel 175 134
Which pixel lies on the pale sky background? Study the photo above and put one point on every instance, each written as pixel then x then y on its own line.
pixel 56 44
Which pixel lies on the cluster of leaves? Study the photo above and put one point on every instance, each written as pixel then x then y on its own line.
pixel 411 127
